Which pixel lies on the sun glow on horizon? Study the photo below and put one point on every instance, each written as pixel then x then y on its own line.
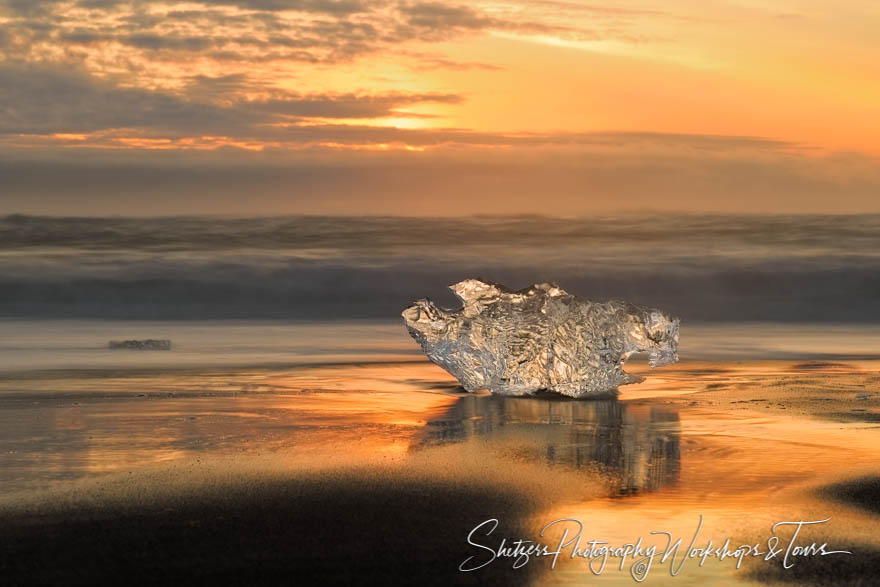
pixel 698 87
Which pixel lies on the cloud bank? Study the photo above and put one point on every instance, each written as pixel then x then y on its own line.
pixel 158 107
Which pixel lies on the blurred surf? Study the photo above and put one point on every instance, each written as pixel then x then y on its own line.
pixel 702 268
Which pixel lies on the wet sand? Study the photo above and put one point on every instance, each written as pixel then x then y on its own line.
pixel 380 470
pixel 340 527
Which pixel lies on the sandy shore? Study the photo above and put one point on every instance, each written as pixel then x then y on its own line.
pixel 339 527
pixel 353 472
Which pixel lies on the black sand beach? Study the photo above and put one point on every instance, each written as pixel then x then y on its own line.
pixel 378 472
pixel 341 527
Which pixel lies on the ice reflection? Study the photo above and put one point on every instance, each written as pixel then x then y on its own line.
pixel 638 445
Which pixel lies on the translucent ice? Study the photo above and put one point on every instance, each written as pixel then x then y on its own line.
pixel 539 338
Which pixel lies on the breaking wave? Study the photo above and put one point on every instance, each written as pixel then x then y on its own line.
pixel 703 268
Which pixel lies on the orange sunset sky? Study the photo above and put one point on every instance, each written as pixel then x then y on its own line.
pixel 408 107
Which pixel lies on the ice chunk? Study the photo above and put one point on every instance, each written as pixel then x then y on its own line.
pixel 142 345
pixel 539 338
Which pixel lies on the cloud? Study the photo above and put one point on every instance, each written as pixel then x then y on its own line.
pixel 427 61
pixel 47 100
pixel 261 30
pixel 641 174
pixel 318 6
pixel 444 19
pixel 257 31
pixel 29 7
pixel 155 41
pixel 337 7
pixel 206 87
pixel 346 105
pixel 212 111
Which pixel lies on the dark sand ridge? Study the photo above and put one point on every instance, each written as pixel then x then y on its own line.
pixel 862 493
pixel 854 505
pixel 232 522
pixel 332 529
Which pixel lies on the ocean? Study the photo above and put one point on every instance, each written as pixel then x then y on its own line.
pixel 789 269
pixel 320 290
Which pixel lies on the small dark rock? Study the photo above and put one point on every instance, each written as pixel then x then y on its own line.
pixel 142 345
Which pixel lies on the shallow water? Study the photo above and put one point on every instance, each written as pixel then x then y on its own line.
pixel 43 345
